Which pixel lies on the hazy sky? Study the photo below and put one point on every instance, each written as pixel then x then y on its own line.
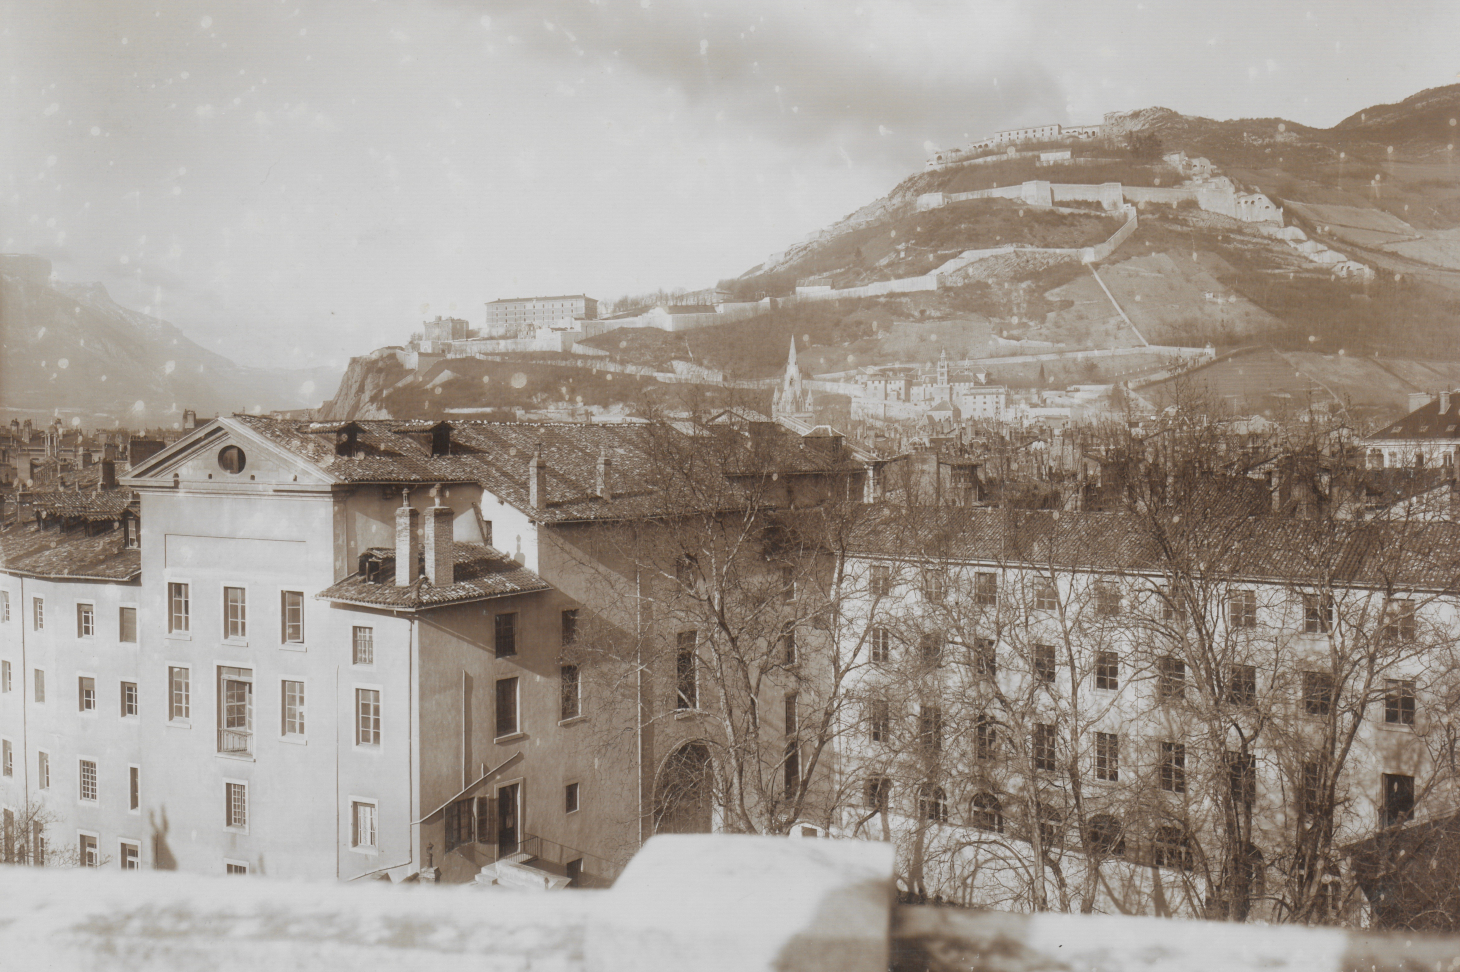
pixel 296 182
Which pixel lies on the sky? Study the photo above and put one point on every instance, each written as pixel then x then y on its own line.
pixel 293 183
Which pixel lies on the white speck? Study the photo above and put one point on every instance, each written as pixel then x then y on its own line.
pixel 167 369
pixel 124 259
pixel 184 75
pixel 63 364
pixel 51 109
pixel 486 21
pixel 307 388
pixel 205 111
pixel 95 130
pixel 207 22
pixel 704 47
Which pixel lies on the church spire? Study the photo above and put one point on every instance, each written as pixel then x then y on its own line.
pixel 791 361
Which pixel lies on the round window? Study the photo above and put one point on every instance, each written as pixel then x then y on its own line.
pixel 231 459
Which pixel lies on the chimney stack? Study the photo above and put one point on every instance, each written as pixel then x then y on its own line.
pixel 108 474
pixel 605 467
pixel 1444 401
pixel 440 550
pixel 190 419
pixel 407 548
pixel 537 481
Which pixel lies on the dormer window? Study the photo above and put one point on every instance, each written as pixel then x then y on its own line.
pixel 131 530
pixel 347 440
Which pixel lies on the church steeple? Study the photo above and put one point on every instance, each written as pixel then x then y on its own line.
pixel 791 361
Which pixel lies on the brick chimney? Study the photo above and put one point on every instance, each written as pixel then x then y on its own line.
pixel 537 481
pixel 605 467
pixel 440 549
pixel 1444 402
pixel 407 547
pixel 108 474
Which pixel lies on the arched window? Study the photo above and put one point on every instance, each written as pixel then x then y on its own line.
pixel 986 813
pixel 1171 847
pixel 933 804
pixel 1105 836
pixel 1051 824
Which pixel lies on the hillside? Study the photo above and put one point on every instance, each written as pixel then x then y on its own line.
pixel 71 347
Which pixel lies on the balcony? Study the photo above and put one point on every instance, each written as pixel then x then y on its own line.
pixel 235 742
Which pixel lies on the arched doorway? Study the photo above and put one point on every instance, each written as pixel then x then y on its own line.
pixel 682 792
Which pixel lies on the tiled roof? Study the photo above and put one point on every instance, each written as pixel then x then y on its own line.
pixel 32 552
pixel 1426 422
pixel 481 572
pixel 497 456
pixel 92 506
pixel 1420 555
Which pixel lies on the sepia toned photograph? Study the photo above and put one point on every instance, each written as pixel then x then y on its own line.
pixel 814 486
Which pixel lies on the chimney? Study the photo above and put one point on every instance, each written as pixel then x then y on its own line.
pixel 441 439
pixel 85 458
pixel 407 548
pixel 537 481
pixel 1418 400
pixel 1444 402
pixel 108 474
pixel 605 466
pixel 109 451
pixel 190 419
pixel 440 550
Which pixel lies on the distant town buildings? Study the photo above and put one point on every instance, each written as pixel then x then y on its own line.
pixel 520 317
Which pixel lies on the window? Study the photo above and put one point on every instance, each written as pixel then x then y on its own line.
pixel 986 813
pixel 1398 799
pixel 1051 825
pixel 504 633
pixel 877 793
pixel 177 608
pixel 291 616
pixel 4 606
pixel 127 625
pixel 1241 684
pixel 930 647
pixel 367 717
pixel 86 693
pixel 985 659
pixel 179 704
pixel 235 613
pixel 986 589
pixel 1046 598
pixel 1172 766
pixel 235 806
pixel 1170 679
pixel 1107 600
pixel 364 646
pixel 129 700
pixel 1242 609
pixel 1107 670
pixel 1310 790
pixel 43 770
pixel 881 582
pixel 1107 756
pixel 89 857
pixel 879 721
pixel 235 710
pixel 570 698
pixel 684 571
pixel 292 708
pixel 1044 747
pixel 1105 835
pixel 933 804
pixel 934 586
pixel 1170 847
pixel 5 684
pixel 686 681
pixel 7 758
pixel 788 584
pixel 570 798
pixel 570 626
pixel 930 727
pixel 134 788
pixel 85 620
pixel 1317 613
pixel 788 643
pixel 362 829
pixel 40 685
pixel 1173 606
pixel 985 737
pixel 88 780
pixel 131 854
pixel 1399 702
pixel 1241 778
pixel 881 650
pixel 1044 663
pixel 507 723
pixel 1317 693
pixel 1399 620
pixel 37 613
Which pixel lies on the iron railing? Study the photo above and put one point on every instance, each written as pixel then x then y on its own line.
pixel 235 742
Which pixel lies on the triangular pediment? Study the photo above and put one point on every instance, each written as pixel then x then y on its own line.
pixel 226 452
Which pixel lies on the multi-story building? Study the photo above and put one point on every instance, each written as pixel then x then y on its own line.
pixel 1428 436
pixel 521 316
pixel 1056 705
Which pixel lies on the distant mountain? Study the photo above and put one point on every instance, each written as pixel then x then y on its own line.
pixel 71 347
